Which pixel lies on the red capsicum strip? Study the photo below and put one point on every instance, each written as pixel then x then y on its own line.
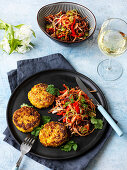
pixel 76 106
pixel 72 29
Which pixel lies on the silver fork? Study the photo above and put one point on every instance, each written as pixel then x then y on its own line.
pixel 24 148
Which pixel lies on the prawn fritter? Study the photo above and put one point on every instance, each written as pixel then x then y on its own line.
pixel 26 119
pixel 53 134
pixel 39 97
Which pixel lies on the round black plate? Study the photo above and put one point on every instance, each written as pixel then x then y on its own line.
pixel 56 77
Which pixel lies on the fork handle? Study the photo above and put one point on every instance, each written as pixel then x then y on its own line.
pixel 18 163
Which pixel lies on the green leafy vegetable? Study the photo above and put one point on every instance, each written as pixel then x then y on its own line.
pixel 98 123
pixel 52 90
pixel 24 104
pixel 69 146
pixel 36 130
pixel 46 119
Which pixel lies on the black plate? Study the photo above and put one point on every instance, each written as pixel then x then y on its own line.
pixel 56 77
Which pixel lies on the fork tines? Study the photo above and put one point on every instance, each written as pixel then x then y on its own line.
pixel 29 140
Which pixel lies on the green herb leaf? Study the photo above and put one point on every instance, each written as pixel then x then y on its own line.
pixel 98 123
pixel 69 146
pixel 36 130
pixel 52 90
pixel 46 119
pixel 75 146
pixel 24 104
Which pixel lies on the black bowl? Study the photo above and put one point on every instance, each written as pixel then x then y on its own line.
pixel 65 6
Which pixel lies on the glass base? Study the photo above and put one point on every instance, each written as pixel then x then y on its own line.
pixel 110 74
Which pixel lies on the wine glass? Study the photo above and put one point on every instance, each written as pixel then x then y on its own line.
pixel 112 41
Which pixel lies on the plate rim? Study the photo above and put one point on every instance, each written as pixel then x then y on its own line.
pixel 61 70
pixel 66 42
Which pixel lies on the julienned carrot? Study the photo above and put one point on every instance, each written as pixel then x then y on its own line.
pixel 75 107
pixel 69 26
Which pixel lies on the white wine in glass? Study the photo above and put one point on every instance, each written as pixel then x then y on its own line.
pixel 112 41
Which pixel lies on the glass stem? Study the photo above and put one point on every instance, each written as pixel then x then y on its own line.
pixel 109 64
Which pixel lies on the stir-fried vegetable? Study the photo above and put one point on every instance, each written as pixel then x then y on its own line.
pixel 67 26
pixel 77 111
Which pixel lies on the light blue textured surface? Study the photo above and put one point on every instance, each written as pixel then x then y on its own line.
pixel 85 58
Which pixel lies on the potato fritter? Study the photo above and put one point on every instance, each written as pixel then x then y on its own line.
pixel 39 97
pixel 53 134
pixel 26 119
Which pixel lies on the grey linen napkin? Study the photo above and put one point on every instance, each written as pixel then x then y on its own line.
pixel 26 68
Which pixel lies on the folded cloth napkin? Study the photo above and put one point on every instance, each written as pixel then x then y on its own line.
pixel 26 68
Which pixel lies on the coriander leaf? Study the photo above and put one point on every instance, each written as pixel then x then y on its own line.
pixel 69 146
pixel 75 146
pixel 98 123
pixel 19 26
pixel 52 90
pixel 46 119
pixel 66 148
pixel 24 104
pixel 33 132
pixel 36 130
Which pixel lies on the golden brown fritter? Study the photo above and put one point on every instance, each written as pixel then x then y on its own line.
pixel 53 134
pixel 26 119
pixel 39 97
